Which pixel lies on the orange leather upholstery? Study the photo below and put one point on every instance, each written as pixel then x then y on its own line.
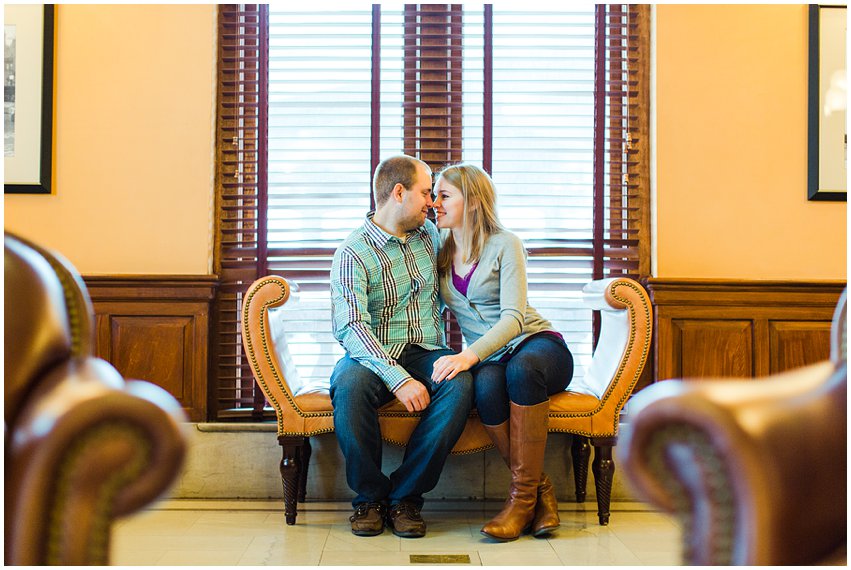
pixel 626 332
pixel 82 445
pixel 626 310
pixel 755 469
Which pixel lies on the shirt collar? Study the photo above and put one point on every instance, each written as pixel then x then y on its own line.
pixel 380 237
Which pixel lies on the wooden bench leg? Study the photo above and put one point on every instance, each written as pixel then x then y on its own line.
pixel 604 471
pixel 580 451
pixel 290 462
pixel 302 469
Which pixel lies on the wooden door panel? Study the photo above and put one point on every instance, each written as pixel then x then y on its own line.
pixel 712 348
pixel 797 343
pixel 157 349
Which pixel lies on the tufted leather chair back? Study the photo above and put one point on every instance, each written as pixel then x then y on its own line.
pixel 37 331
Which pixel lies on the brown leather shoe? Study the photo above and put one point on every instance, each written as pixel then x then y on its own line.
pixel 405 520
pixel 368 519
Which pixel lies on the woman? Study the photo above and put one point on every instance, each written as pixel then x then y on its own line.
pixel 519 359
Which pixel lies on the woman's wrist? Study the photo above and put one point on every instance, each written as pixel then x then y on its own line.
pixel 471 357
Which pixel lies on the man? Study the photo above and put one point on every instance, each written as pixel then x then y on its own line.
pixel 386 315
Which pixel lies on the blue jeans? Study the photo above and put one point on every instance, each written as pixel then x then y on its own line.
pixel 540 366
pixel 357 393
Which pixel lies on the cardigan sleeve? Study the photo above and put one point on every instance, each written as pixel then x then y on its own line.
pixel 511 257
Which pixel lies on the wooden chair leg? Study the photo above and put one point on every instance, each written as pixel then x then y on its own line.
pixel 580 451
pixel 306 450
pixel 604 471
pixel 290 461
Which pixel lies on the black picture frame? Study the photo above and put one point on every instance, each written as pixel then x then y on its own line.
pixel 814 159
pixel 45 155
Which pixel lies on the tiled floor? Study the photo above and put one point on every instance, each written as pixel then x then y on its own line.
pixel 253 533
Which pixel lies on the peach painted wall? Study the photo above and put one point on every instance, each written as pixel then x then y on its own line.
pixel 133 166
pixel 731 148
pixel 134 129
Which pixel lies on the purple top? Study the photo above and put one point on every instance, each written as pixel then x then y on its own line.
pixel 463 283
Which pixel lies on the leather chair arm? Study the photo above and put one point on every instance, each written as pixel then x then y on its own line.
pixel 755 469
pixel 102 446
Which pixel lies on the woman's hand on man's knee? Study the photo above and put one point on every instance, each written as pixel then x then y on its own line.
pixel 447 367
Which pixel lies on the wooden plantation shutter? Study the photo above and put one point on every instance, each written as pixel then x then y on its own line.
pixel 542 133
pixel 345 89
pixel 323 123
pixel 433 119
pixel 433 96
pixel 622 142
pixel 240 254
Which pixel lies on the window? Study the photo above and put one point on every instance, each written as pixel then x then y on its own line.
pixel 552 103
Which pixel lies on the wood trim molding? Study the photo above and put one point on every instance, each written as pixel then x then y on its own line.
pixel 151 287
pixel 156 328
pixel 736 328
pixel 725 292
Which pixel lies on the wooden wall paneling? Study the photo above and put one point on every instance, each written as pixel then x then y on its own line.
pixel 704 328
pixel 795 342
pixel 707 348
pixel 156 328
pixel 155 347
pixel 761 346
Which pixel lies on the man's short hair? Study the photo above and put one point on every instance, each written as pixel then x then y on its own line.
pixel 401 169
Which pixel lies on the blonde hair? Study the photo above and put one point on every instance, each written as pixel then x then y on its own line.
pixel 480 218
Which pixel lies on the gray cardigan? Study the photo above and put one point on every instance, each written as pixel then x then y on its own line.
pixel 495 316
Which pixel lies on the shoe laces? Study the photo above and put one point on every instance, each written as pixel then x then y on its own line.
pixel 362 509
pixel 409 509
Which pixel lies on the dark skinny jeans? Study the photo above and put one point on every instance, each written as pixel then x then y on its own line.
pixel 540 366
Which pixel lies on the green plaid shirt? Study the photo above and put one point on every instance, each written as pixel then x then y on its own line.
pixel 384 294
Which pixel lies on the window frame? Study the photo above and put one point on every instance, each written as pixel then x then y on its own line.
pixel 241 253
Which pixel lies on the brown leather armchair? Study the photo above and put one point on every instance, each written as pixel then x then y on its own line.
pixel 754 469
pixel 590 409
pixel 82 445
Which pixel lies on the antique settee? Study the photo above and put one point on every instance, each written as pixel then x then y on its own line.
pixel 591 415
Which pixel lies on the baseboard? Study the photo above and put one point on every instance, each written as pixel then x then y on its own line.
pixel 240 461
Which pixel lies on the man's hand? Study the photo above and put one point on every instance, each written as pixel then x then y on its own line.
pixel 414 395
pixel 449 366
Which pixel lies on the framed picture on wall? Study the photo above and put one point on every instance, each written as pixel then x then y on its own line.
pixel 28 98
pixel 827 131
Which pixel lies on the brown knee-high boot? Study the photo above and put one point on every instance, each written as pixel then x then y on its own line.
pixel 527 443
pixel 546 508
pixel 499 437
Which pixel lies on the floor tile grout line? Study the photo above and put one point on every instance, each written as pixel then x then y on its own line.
pixel 461 526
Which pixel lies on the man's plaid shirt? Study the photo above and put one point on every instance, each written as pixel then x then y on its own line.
pixel 384 294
